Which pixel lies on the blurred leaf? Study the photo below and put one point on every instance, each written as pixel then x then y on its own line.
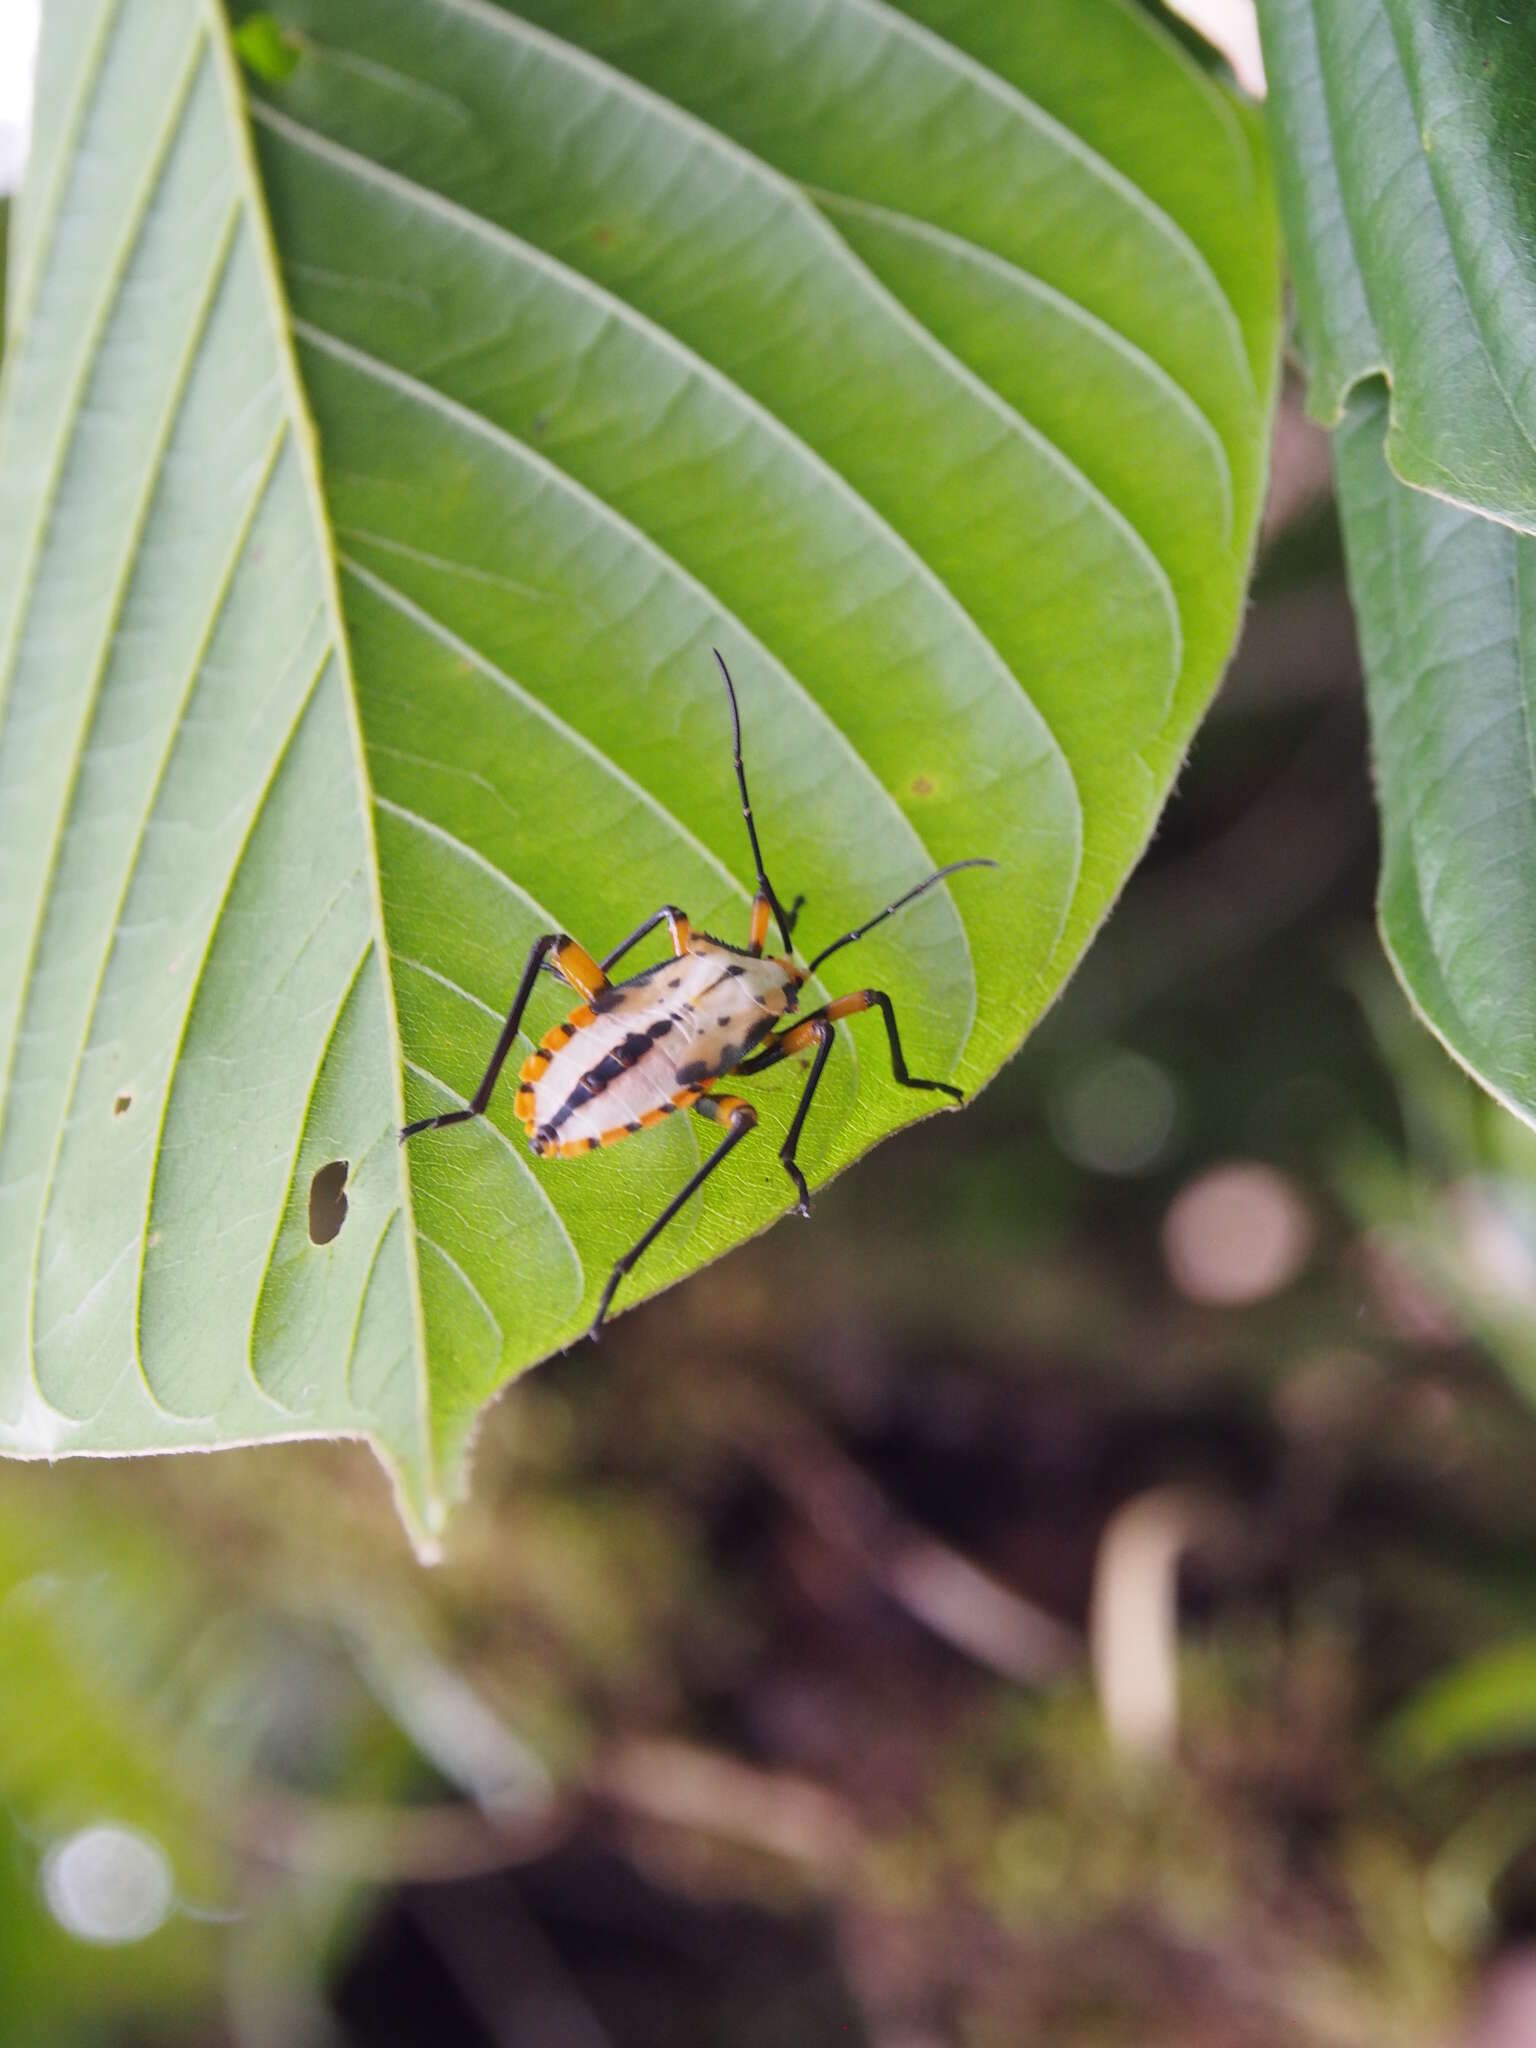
pixel 93 1622
pixel 1482 1705
pixel 923 361
pixel 93 1626
pixel 1401 132
pixel 260 42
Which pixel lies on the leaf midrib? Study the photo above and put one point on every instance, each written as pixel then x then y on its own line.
pixel 305 440
pixel 330 614
pixel 431 200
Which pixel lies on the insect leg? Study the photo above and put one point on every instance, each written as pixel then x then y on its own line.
pixel 877 999
pixel 813 1030
pixel 574 965
pixel 850 1006
pixel 678 931
pixel 762 911
pixel 741 1117
pixel 816 1030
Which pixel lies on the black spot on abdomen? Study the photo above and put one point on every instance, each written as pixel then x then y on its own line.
pixel 627 1053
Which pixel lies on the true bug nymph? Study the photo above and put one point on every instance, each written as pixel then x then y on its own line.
pixel 635 1051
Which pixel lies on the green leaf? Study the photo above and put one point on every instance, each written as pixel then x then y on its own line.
pixel 1401 164
pixel 1446 606
pixel 260 42
pixel 922 361
pixel 1401 132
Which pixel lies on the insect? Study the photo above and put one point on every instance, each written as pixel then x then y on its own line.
pixel 635 1051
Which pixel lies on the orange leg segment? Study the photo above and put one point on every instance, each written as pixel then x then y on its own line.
pixel 721 1108
pixel 575 964
pixel 762 915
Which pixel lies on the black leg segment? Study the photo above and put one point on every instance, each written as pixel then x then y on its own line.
pixel 677 927
pixel 877 999
pixel 816 1030
pixel 741 1119
pixel 542 946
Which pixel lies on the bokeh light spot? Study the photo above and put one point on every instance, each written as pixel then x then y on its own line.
pixel 1116 1113
pixel 1235 1235
pixel 108 1884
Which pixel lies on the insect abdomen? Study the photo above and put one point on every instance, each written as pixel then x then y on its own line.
pixel 598 1082
pixel 616 1066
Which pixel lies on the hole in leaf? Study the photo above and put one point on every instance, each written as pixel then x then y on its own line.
pixel 121 1104
pixel 328 1201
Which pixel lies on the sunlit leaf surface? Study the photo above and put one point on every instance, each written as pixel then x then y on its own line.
pixel 919 359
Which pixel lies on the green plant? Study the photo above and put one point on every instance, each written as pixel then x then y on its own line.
pixel 883 348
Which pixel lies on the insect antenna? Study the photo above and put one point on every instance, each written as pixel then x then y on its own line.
pixel 891 908
pixel 785 923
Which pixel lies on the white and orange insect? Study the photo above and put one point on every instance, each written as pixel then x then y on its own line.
pixel 635 1051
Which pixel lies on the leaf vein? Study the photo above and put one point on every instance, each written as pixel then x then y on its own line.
pixel 95 328
pixel 1074 146
pixel 498 438
pixel 530 256
pixel 130 865
pixel 219 35
pixel 301 1133
pixel 258 806
pixel 102 656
